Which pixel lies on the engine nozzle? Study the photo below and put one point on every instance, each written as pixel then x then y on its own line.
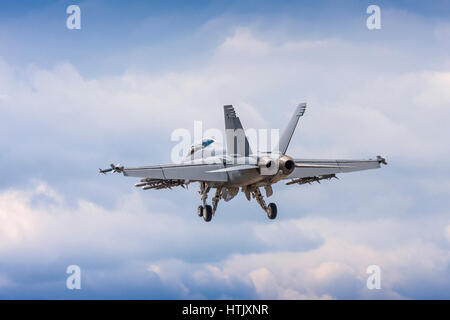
pixel 265 162
pixel 286 164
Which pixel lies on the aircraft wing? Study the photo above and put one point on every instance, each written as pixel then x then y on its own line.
pixel 308 170
pixel 188 172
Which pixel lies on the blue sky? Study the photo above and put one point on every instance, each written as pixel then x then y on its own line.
pixel 75 100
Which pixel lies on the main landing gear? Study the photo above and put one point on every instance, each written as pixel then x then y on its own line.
pixel 270 209
pixel 207 212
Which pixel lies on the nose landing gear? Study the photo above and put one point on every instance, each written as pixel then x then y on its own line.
pixel 206 211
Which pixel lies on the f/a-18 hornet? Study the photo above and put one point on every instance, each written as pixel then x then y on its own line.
pixel 237 167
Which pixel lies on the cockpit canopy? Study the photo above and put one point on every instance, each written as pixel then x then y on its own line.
pixel 200 146
pixel 206 142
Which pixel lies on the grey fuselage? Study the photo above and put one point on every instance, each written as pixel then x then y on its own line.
pixel 260 175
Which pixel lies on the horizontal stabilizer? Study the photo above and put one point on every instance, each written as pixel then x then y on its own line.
pixel 191 172
pixel 307 168
pixel 311 165
pixel 235 168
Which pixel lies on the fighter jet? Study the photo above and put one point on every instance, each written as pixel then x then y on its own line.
pixel 235 167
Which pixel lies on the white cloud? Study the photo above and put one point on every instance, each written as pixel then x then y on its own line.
pixel 53 232
pixel 335 270
pixel 358 106
pixel 356 110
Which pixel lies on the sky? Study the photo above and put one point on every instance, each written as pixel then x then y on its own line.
pixel 72 101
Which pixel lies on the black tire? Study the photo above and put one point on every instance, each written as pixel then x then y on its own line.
pixel 272 211
pixel 207 213
pixel 200 211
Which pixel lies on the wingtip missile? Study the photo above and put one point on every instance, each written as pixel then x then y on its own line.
pixel 382 160
pixel 114 168
pixel 104 171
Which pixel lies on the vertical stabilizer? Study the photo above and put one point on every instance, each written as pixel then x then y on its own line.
pixel 237 143
pixel 289 131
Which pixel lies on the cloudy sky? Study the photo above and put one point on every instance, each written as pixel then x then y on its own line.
pixel 75 100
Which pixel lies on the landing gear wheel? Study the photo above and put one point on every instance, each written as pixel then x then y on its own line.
pixel 272 211
pixel 200 211
pixel 207 213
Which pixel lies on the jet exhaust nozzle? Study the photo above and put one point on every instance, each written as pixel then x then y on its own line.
pixel 286 164
pixel 265 162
